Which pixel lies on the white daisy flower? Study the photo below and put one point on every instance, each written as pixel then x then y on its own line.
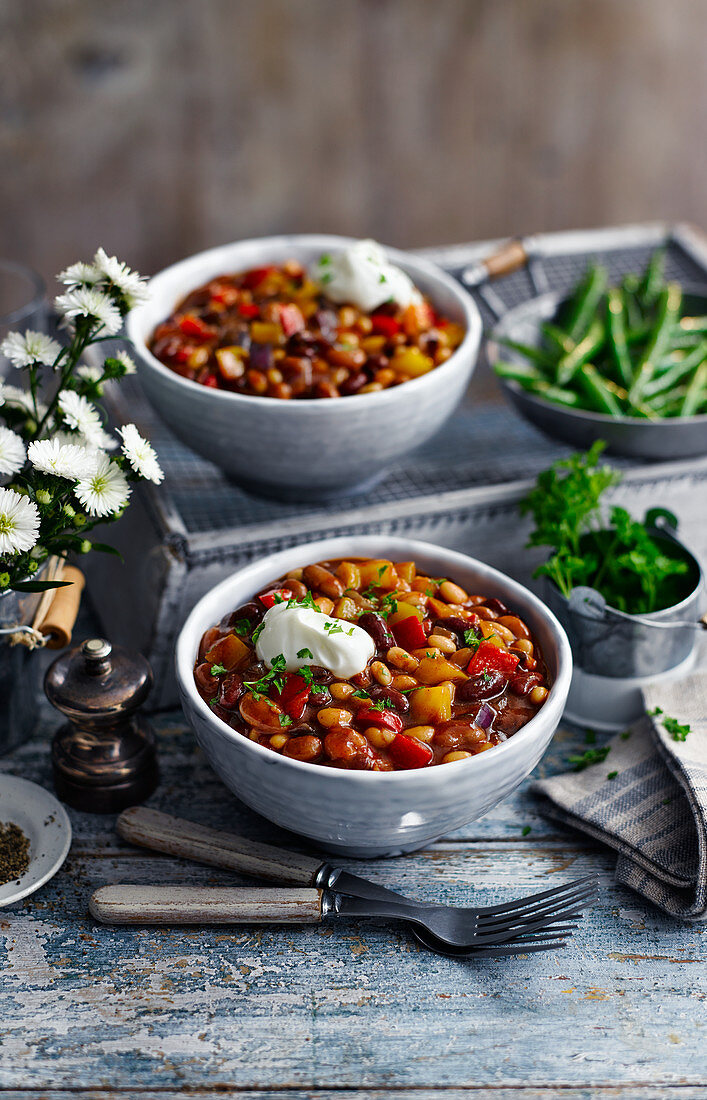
pixel 105 491
pixel 19 522
pixel 22 399
pixel 130 284
pixel 79 413
pixel 69 460
pixel 25 348
pixel 89 373
pixel 79 274
pixel 87 301
pixel 140 454
pixel 127 362
pixel 12 452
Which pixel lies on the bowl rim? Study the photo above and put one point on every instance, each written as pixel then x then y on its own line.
pixel 470 343
pixel 557 696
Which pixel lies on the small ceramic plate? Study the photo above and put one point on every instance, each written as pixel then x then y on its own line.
pixel 45 822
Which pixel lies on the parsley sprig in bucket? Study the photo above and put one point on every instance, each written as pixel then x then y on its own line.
pixel 634 572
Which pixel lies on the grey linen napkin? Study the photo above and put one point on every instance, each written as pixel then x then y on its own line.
pixel 654 810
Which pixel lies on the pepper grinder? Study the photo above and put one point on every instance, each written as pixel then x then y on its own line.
pixel 104 758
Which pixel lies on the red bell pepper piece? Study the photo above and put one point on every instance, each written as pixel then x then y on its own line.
pixel 490 658
pixel 210 380
pixel 294 695
pixel 252 278
pixel 410 633
pixel 407 752
pixel 383 325
pixel 374 717
pixel 249 310
pixel 193 326
pixel 291 319
pixel 269 599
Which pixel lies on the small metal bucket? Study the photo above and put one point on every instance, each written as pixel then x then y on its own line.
pixel 607 642
pixel 19 671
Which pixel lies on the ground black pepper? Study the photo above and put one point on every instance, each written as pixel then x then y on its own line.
pixel 14 852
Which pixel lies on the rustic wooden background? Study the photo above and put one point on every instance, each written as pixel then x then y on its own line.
pixel 159 128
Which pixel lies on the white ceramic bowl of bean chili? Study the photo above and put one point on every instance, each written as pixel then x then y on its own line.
pixel 373 813
pixel 305 448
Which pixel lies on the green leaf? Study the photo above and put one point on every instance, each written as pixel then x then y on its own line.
pixel 39 586
pixel 104 548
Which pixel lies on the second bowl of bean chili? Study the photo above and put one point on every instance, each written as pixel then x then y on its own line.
pixel 290 393
pixel 318 678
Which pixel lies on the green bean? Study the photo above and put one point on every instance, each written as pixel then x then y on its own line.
pixel 638 333
pixel 581 353
pixel 630 285
pixel 653 281
pixel 662 402
pixel 557 395
pixel 680 340
pixel 598 392
pixel 617 336
pixel 557 337
pixel 535 354
pixel 696 392
pixel 585 302
pixel 693 324
pixel 518 372
pixel 668 309
pixel 675 373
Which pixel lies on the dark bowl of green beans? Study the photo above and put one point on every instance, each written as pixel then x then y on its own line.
pixel 624 363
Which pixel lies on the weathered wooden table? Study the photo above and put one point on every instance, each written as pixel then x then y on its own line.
pixel 358 1009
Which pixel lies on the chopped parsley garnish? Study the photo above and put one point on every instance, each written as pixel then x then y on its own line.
pixel 326 277
pixel 325 259
pixel 360 694
pixel 216 670
pixel 257 632
pixel 677 730
pixel 382 279
pixel 318 689
pixel 381 704
pixel 305 655
pixel 212 702
pixel 612 775
pixel 388 605
pixel 591 756
pixel 285 720
pixel 381 571
pixel 273 678
pixel 526 830
pixel 242 626
pixel 471 639
pixel 333 628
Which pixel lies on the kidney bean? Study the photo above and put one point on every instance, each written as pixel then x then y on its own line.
pixel 321 675
pixel 524 682
pixel 483 686
pixel 375 625
pixel 397 700
pixel 495 605
pixel 204 680
pixel 374 363
pixel 251 611
pixel 459 625
pixel 353 383
pixel 231 690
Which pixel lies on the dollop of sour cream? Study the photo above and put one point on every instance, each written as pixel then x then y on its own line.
pixel 306 637
pixel 362 276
